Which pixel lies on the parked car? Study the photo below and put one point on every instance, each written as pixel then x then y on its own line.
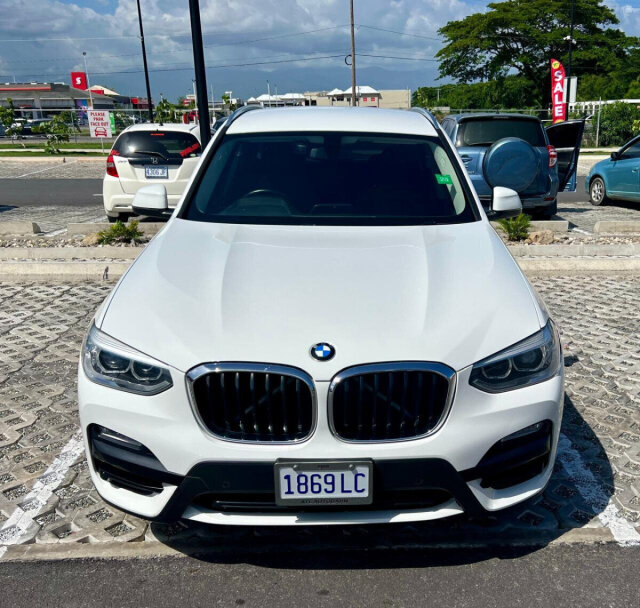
pixel 149 153
pixel 516 151
pixel 218 123
pixel 328 330
pixel 617 177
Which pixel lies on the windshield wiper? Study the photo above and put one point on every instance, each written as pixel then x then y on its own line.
pixel 149 153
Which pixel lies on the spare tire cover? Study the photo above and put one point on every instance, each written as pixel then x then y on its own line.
pixel 512 163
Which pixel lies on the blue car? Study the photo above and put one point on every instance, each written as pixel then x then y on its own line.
pixel 617 177
pixel 517 152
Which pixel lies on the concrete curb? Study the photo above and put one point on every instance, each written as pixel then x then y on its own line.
pixel 156 549
pixel 109 269
pixel 84 229
pixel 19 228
pixel 69 253
pixel 618 227
pixel 580 249
pixel 62 271
pixel 536 225
pixel 579 265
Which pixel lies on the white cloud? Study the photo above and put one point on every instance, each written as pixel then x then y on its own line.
pixel 231 28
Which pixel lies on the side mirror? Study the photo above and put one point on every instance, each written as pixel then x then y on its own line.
pixel 506 203
pixel 152 201
pixel 615 155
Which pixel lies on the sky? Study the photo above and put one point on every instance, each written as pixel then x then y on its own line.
pixel 295 45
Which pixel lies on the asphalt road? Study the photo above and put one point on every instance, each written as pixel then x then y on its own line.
pixel 579 575
pixel 39 192
pixel 70 192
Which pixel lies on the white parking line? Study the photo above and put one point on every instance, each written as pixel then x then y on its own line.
pixel 14 530
pixel 591 491
pixel 56 166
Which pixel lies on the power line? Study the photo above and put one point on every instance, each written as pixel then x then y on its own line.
pixel 381 29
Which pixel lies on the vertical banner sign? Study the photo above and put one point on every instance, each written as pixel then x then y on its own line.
pixel 100 123
pixel 79 80
pixel 557 91
pixel 112 120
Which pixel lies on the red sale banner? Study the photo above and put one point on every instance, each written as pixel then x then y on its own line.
pixel 79 80
pixel 557 91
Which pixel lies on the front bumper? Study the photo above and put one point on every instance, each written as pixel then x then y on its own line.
pixel 201 478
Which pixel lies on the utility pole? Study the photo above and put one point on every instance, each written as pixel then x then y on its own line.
pixel 354 98
pixel 568 91
pixel 201 75
pixel 144 62
pixel 86 72
pixel 269 92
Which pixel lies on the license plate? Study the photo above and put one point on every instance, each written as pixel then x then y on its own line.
pixel 154 172
pixel 318 483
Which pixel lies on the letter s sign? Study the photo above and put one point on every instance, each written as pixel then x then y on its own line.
pixel 79 80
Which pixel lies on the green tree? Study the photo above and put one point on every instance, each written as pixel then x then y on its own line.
pixel 57 131
pixel 617 123
pixel 165 112
pixel 7 116
pixel 521 36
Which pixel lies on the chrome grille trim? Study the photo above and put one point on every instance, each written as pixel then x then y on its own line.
pixel 396 367
pixel 253 368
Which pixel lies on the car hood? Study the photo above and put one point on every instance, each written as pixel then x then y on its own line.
pixel 203 292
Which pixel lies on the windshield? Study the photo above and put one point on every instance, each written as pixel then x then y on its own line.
pixel 487 131
pixel 330 178
pixel 165 144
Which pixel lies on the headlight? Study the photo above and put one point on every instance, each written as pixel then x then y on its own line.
pixel 533 360
pixel 111 363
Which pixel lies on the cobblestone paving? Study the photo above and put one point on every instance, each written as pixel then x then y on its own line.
pixel 52 168
pixel 52 218
pixel 584 215
pixel 41 328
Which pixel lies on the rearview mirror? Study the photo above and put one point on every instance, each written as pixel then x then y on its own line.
pixel 506 203
pixel 152 201
pixel 615 155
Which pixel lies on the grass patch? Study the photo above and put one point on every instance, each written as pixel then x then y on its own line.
pixel 516 228
pixel 121 233
pixel 81 145
pixel 38 154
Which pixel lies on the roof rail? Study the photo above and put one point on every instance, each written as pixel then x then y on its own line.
pixel 240 111
pixel 429 116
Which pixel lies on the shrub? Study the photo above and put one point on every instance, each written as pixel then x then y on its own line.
pixel 616 123
pixel 120 233
pixel 517 228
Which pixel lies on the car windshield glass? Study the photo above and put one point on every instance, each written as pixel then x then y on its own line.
pixel 167 144
pixel 330 178
pixel 487 131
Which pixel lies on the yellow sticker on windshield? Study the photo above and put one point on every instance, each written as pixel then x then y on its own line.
pixel 443 179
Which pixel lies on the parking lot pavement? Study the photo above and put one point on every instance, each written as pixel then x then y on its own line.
pixel 57 167
pixel 46 494
pixel 53 218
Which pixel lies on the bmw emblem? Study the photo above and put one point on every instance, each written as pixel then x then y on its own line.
pixel 322 351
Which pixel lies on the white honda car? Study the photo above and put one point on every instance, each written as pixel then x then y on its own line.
pixel 327 330
pixel 149 153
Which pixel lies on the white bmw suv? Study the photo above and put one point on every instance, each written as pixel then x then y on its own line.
pixel 327 330
pixel 147 154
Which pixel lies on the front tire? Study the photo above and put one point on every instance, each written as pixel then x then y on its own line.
pixel 597 192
